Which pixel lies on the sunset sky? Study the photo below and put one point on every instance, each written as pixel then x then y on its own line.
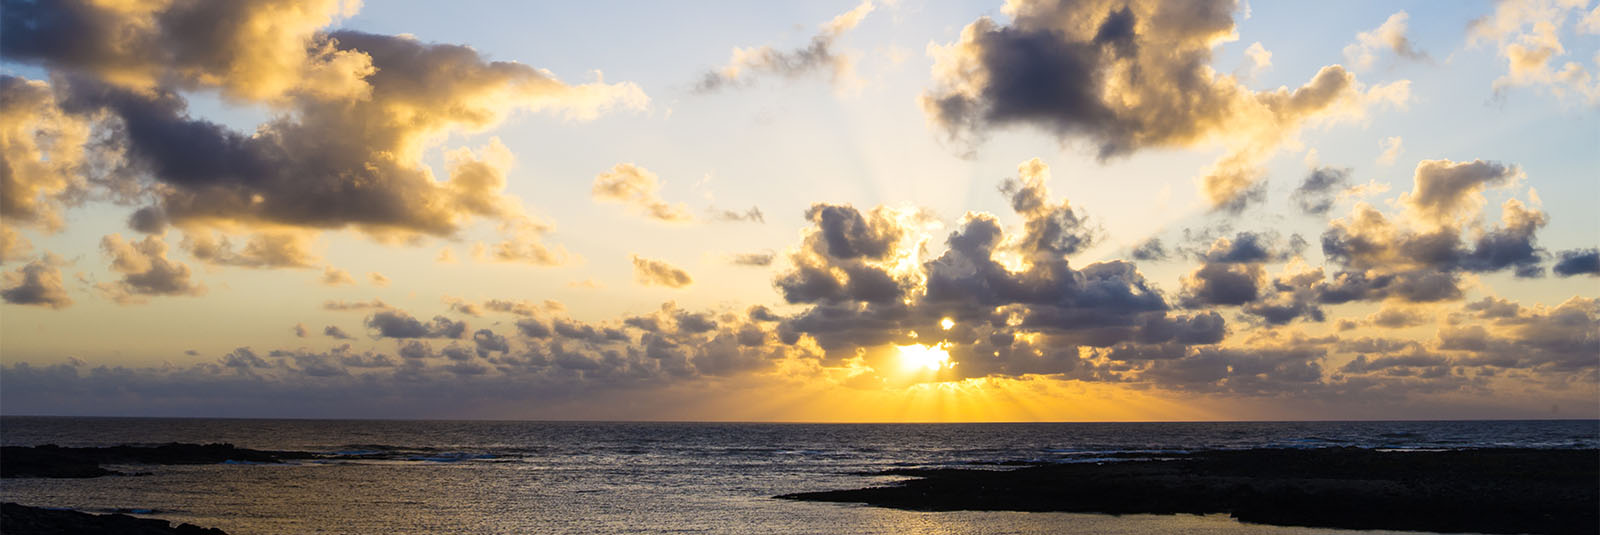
pixel 804 211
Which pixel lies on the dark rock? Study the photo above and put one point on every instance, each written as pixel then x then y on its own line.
pixel 23 520
pixel 55 461
pixel 1483 491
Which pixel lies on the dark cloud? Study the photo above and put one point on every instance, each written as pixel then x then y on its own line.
pixel 1443 189
pixel 146 271
pixel 353 113
pixel 1050 229
pixel 391 323
pixel 1006 318
pixel 1150 250
pixel 1127 77
pixel 37 283
pixel 1578 262
pixel 487 342
pixel 1321 187
pixel 333 331
pixel 1222 285
pixel 1379 257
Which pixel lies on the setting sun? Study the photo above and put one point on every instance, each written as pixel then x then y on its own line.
pixel 918 356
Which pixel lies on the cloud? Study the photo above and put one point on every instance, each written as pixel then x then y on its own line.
pixel 1130 77
pixel 753 215
pixel 1390 36
pixel 818 57
pixel 761 259
pixel 634 186
pixel 332 276
pixel 1381 257
pixel 37 283
pixel 1391 150
pixel 657 273
pixel 392 323
pixel 1014 303
pixel 1445 190
pixel 333 331
pixel 1260 58
pixel 1578 262
pixel 1527 35
pixel 43 152
pixel 1316 194
pixel 354 117
pixel 1150 250
pixel 146 271
pixel 271 249
pixel 378 279
pixel 300 330
pixel 1005 301
pixel 340 306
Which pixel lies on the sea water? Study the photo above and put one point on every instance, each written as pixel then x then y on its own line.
pixel 417 477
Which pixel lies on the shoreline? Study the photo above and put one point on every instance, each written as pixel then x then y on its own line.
pixel 17 519
pixel 1503 490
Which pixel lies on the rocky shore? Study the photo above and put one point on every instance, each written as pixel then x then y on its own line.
pixel 56 461
pixel 1479 490
pixel 23 520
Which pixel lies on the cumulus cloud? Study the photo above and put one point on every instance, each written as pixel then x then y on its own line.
pixel 1014 303
pixel 1444 190
pixel 650 272
pixel 1388 37
pixel 1002 301
pixel 146 271
pixel 1419 258
pixel 37 283
pixel 1527 35
pixel 43 153
pixel 1131 76
pixel 1260 58
pixel 378 279
pixel 818 57
pixel 640 189
pixel 354 117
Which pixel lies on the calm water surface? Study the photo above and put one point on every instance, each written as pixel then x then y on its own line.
pixel 415 477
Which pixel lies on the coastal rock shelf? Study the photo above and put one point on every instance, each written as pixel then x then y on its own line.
pixel 1478 490
pixel 60 462
pixel 23 520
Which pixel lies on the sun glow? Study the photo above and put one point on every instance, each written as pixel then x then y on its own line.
pixel 921 357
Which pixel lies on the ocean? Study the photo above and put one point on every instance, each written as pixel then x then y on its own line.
pixel 424 477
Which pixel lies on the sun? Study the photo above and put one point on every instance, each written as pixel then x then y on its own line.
pixel 917 356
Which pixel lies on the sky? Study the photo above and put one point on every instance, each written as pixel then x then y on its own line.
pixel 1106 210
